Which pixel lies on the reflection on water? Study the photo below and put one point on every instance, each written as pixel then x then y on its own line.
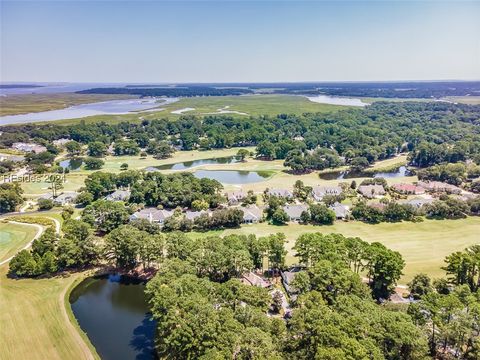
pixel 71 164
pixel 233 176
pixel 113 312
pixel 350 174
pixel 189 164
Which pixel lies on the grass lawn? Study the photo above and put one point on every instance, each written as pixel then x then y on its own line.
pixel 423 245
pixel 35 322
pixel 28 103
pixel 14 237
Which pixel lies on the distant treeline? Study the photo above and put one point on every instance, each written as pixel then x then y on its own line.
pixel 408 90
pixel 18 86
pixel 169 91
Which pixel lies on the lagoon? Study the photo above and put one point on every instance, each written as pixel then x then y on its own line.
pixel 336 100
pixel 112 310
pixel 112 107
pixel 233 176
pixel 191 164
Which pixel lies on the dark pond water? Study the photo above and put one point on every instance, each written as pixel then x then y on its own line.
pixel 113 312
pixel 233 176
pixel 339 175
pixel 71 164
pixel 189 164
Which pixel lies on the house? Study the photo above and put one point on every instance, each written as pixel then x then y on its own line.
pixel 65 198
pixel 318 192
pixel 252 214
pixel 192 215
pixel 371 191
pixel 437 186
pixel 284 193
pixel 61 142
pixel 235 197
pixel 341 211
pixel 294 212
pixel 287 278
pixel 253 279
pixel 118 195
pixel 408 189
pixel 153 215
pixel 29 147
pixel 418 203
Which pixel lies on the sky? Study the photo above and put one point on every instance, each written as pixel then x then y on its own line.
pixel 238 41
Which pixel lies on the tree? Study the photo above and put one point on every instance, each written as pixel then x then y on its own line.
pixel 419 286
pixel 320 214
pixel 384 269
pixel 84 198
pixel 10 197
pixel 123 245
pixel 56 184
pixel 73 148
pixel 199 205
pixel 24 264
pixel 124 167
pixel 242 154
pixel 97 149
pixel 280 217
pixel 44 204
pixel 105 215
pixel 277 301
pixel 276 250
pixel 92 163
pixel 266 149
pixel 301 282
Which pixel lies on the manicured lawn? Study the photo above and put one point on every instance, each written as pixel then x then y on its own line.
pixel 34 321
pixel 14 237
pixel 423 245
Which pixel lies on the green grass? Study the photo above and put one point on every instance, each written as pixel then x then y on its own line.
pixel 423 245
pixel 28 103
pixel 35 321
pixel 14 237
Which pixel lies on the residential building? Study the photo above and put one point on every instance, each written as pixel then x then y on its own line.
pixel 287 194
pixel 418 203
pixel 253 279
pixel 287 278
pixel 192 215
pixel 408 189
pixel 437 186
pixel 295 211
pixel 29 147
pixel 318 192
pixel 341 211
pixel 252 214
pixel 61 142
pixel 153 215
pixel 65 198
pixel 235 197
pixel 371 191
pixel 118 195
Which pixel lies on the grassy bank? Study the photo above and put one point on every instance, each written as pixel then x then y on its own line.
pixel 35 323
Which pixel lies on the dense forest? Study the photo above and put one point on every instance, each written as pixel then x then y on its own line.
pixel 405 90
pixel 433 133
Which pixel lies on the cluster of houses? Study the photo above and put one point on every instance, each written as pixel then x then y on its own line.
pixel 29 147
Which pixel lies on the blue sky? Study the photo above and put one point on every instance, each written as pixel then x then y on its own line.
pixel 246 41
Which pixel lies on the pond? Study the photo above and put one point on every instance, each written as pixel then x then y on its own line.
pixel 340 175
pixel 112 310
pixel 72 164
pixel 113 107
pixel 233 176
pixel 190 164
